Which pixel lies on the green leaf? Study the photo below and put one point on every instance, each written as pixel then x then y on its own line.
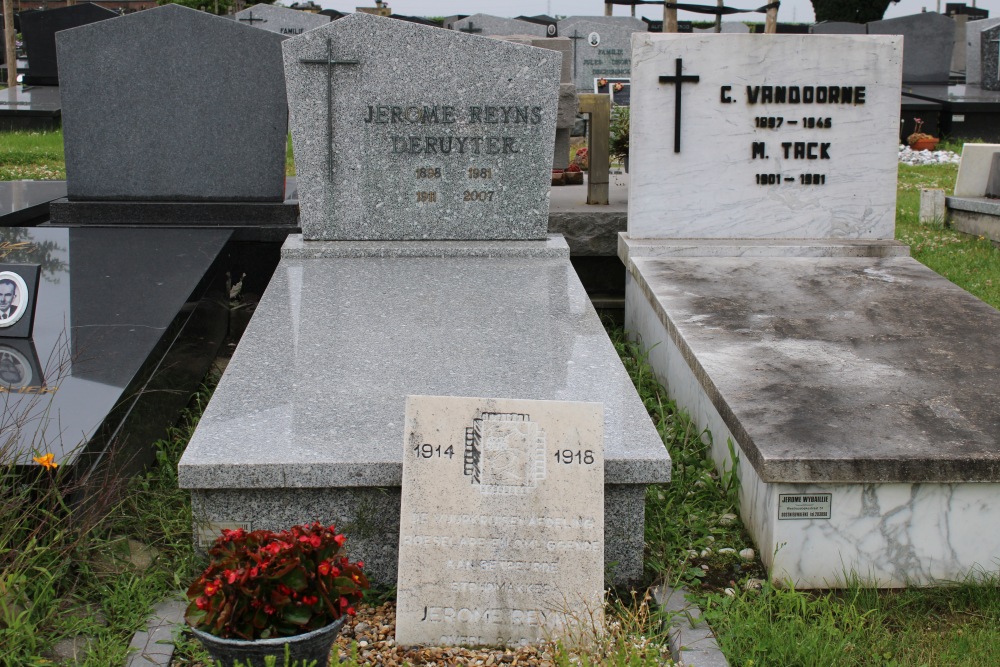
pixel 296 579
pixel 296 614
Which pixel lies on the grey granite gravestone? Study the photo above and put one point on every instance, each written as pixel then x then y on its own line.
pixel 39 31
pixel 989 58
pixel 602 47
pixel 210 127
pixel 486 25
pixel 928 44
pixel 728 28
pixel 973 36
pixel 838 28
pixel 392 142
pixel 286 22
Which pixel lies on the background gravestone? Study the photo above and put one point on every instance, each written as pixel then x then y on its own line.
pixel 286 22
pixel 602 47
pixel 501 536
pixel 989 58
pixel 928 45
pixel 973 54
pixel 392 142
pixel 728 27
pixel 749 158
pixel 838 28
pixel 486 25
pixel 39 31
pixel 211 126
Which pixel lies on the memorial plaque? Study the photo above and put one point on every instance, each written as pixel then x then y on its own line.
pixel 403 131
pixel 502 521
pixel 791 137
pixel 602 47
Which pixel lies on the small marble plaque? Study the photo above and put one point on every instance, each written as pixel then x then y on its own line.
pixel 735 136
pixel 502 522
pixel 403 132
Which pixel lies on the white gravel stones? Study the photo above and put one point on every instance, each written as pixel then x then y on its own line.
pixel 912 157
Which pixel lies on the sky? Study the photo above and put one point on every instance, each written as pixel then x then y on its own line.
pixel 791 11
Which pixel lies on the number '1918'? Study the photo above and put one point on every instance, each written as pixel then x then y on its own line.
pixel 568 456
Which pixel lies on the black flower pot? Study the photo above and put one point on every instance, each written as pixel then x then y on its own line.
pixel 313 645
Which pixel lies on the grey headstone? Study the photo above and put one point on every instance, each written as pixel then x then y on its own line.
pixel 928 44
pixel 602 47
pixel 173 104
pixel 989 58
pixel 993 182
pixel 728 27
pixel 958 56
pixel 286 22
pixel 486 25
pixel 973 36
pixel 373 164
pixel 838 28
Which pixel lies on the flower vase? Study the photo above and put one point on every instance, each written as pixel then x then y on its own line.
pixel 310 646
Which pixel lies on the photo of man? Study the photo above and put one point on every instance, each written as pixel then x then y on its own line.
pixel 13 293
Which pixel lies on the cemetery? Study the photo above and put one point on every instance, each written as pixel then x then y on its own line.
pixel 306 344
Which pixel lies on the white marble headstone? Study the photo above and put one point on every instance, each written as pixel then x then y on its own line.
pixel 785 136
pixel 502 521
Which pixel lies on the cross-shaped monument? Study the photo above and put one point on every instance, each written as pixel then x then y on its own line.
pixel 576 36
pixel 329 62
pixel 678 79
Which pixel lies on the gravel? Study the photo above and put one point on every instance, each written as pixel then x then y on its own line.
pixel 911 157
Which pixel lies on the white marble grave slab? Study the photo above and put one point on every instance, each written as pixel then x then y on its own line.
pixel 974 169
pixel 749 163
pixel 501 536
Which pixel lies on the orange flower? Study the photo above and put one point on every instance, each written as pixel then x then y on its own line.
pixel 46 461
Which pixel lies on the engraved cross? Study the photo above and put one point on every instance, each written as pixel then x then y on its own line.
pixel 250 18
pixel 576 36
pixel 678 79
pixel 329 62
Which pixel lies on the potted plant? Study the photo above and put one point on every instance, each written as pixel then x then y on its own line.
pixel 573 175
pixel 274 594
pixel 921 141
pixel 619 135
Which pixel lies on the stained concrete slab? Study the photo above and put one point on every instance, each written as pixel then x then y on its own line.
pixel 850 370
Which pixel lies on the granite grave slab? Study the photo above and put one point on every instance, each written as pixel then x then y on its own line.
pixel 460 162
pixel 126 325
pixel 602 47
pixel 220 114
pixel 501 526
pixel 286 22
pixel 25 202
pixel 928 45
pixel 783 155
pixel 498 313
pixel 39 31
pixel 486 25
pixel 989 58
pixel 25 108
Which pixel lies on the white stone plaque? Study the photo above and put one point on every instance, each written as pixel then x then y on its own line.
pixel 502 522
pixel 754 136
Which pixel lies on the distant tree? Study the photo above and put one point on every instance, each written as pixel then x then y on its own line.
pixel 850 11
pixel 220 7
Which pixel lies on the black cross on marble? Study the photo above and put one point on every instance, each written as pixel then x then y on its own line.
pixel 678 79
pixel 471 28
pixel 575 37
pixel 251 18
pixel 329 62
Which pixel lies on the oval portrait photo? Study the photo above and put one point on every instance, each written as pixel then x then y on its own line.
pixel 13 298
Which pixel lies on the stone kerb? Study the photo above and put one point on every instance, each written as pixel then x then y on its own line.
pixel 419 133
pixel 286 22
pixel 792 139
pixel 172 104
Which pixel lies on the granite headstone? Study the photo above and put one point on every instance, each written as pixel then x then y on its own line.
pixel 973 37
pixel 989 58
pixel 39 31
pixel 928 45
pixel 838 28
pixel 602 47
pixel 727 27
pixel 392 140
pixel 486 25
pixel 286 22
pixel 797 140
pixel 211 126
pixel 501 537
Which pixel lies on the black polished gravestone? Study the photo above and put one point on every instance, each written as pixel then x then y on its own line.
pixel 30 108
pixel 172 116
pixel 39 31
pixel 126 325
